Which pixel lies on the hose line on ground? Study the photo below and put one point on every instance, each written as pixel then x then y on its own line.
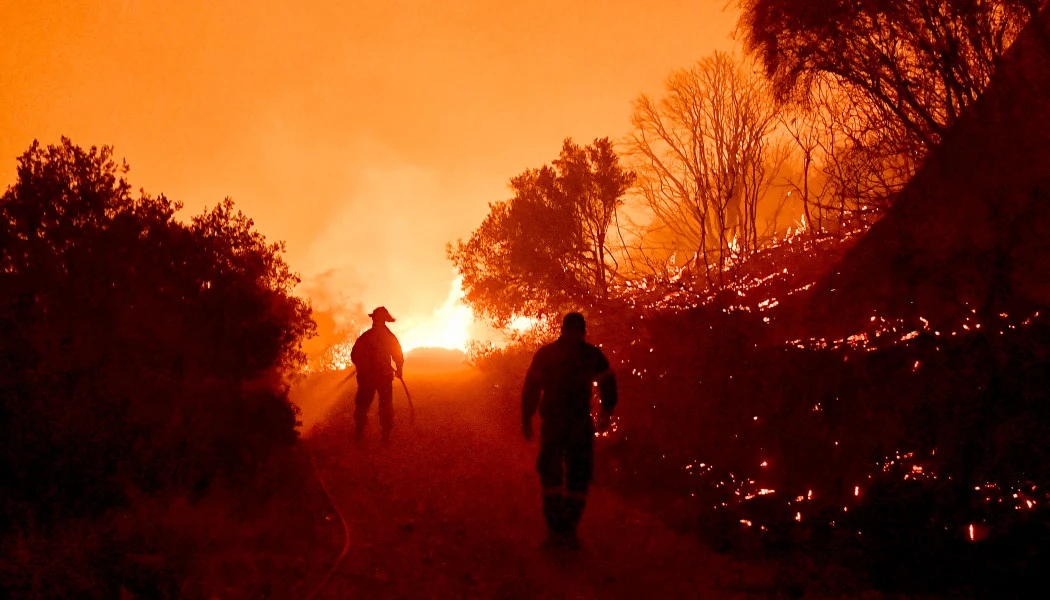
pixel 346 530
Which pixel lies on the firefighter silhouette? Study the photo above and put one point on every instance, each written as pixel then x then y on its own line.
pixel 559 383
pixel 372 355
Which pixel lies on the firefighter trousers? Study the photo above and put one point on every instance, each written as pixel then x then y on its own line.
pixel 566 467
pixel 367 389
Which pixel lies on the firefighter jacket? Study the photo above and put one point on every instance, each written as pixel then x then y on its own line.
pixel 373 351
pixel 560 381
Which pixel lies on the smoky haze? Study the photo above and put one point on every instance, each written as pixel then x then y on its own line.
pixel 366 135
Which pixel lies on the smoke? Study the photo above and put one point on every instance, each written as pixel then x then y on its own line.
pixel 339 315
pixel 383 244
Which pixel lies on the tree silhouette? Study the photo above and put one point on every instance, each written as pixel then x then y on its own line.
pixel 917 64
pixel 139 352
pixel 846 166
pixel 705 158
pixel 546 248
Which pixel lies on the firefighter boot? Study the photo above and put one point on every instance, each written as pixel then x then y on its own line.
pixel 574 503
pixel 554 513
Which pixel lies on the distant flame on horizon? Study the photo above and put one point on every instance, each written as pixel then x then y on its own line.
pixel 449 326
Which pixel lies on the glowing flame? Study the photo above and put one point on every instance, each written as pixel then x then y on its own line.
pixel 522 324
pixel 449 327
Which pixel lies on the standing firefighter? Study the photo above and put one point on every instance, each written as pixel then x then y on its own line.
pixel 372 354
pixel 559 383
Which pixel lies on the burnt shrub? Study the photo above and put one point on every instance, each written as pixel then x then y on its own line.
pixel 875 452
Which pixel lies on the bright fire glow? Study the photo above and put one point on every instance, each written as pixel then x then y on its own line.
pixel 522 324
pixel 448 327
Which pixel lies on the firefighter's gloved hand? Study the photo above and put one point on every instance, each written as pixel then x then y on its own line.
pixel 526 430
pixel 604 419
pixel 399 373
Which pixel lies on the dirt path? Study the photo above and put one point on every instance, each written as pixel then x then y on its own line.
pixel 451 510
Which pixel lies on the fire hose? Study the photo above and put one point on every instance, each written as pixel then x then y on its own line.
pixel 335 505
pixel 411 406
pixel 342 520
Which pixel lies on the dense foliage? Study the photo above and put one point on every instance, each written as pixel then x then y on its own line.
pixel 140 353
pixel 546 248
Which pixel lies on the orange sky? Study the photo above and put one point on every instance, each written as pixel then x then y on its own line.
pixel 365 134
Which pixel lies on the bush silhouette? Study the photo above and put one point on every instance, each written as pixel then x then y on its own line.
pixel 140 353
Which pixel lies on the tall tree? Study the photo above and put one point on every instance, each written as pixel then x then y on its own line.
pixel 547 247
pixel 705 158
pixel 917 63
pixel 847 166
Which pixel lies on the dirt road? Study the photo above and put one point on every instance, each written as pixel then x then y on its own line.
pixel 451 509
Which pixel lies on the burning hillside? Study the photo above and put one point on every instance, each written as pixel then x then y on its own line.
pixel 884 394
